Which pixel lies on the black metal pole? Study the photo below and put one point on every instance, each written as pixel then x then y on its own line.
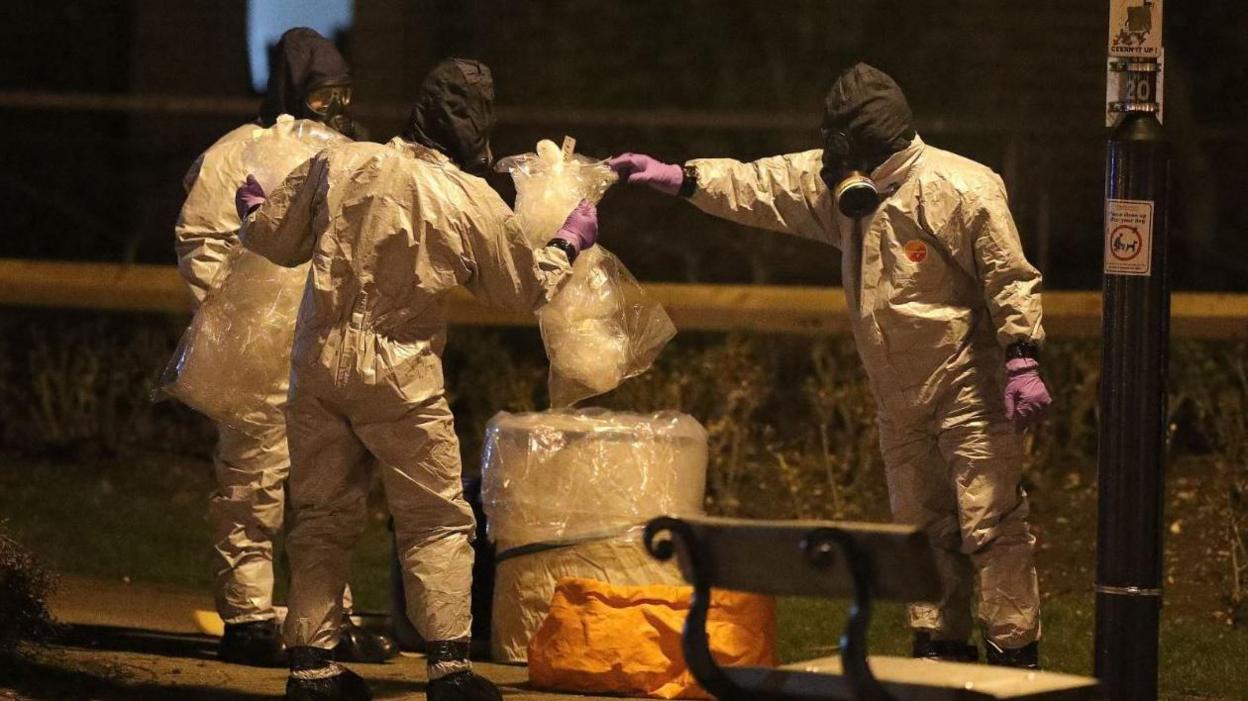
pixel 1131 460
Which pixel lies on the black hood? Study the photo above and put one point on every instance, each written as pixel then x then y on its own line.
pixel 868 107
pixel 454 113
pixel 303 61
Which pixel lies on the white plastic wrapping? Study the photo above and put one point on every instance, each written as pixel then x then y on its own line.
pixel 566 494
pixel 601 329
pixel 566 475
pixel 233 363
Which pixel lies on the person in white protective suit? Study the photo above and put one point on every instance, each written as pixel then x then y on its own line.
pixel 390 230
pixel 309 80
pixel 947 319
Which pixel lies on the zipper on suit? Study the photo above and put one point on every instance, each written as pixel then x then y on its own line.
pixel 352 338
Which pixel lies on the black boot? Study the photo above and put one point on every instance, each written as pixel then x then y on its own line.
pixel 1025 657
pixel 255 643
pixel 925 646
pixel 355 644
pixel 341 685
pixel 458 686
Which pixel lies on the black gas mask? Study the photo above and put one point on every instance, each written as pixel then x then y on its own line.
pixel 454 114
pixel 328 101
pixel 309 79
pixel 329 104
pixel 866 121
pixel 847 173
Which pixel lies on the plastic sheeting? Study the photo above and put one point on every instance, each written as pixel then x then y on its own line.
pixel 233 363
pixel 549 185
pixel 562 475
pixel 601 329
pixel 565 494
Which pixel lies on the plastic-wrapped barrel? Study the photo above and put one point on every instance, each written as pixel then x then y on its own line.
pixel 565 495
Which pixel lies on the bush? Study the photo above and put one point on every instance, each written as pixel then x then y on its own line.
pixel 24 589
pixel 1210 385
pixel 79 385
pixel 791 420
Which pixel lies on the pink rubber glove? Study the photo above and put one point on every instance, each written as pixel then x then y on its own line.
pixel 580 229
pixel 249 196
pixel 1026 397
pixel 642 169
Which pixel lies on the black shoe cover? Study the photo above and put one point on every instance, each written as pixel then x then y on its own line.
pixel 356 644
pixel 344 686
pixel 1025 657
pixel 462 686
pixel 926 647
pixel 255 643
pixel 347 686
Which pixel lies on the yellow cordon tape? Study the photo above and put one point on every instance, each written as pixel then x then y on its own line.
pixel 756 308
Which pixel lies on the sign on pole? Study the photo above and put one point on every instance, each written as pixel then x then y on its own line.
pixel 1136 59
pixel 1128 237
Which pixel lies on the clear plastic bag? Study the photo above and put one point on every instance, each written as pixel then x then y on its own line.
pixel 549 185
pixel 233 362
pixel 601 329
pixel 561 476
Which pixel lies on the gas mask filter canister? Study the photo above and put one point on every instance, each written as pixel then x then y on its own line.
pixel 856 195
pixel 847 176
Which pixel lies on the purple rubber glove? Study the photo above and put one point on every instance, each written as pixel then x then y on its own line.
pixel 580 229
pixel 642 169
pixel 249 196
pixel 1026 397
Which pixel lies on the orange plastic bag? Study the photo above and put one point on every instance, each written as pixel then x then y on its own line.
pixel 608 639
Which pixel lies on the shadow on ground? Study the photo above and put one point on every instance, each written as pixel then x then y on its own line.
pixel 119 667
pixel 117 639
pixel 38 680
pixel 114 663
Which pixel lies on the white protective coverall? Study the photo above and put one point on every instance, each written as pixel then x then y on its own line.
pixel 390 229
pixel 250 465
pixel 938 287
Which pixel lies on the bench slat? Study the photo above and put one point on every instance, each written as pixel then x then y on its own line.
pixel 917 680
pixel 767 557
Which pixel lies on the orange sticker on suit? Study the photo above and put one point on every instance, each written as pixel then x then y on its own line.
pixel 916 251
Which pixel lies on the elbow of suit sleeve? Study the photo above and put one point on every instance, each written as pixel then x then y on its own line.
pixel 1012 295
pixel 525 282
pixel 1012 291
pixel 1018 314
pixel 261 236
pixel 193 276
pixel 507 271
pixel 1011 283
pixel 200 261
pixel 281 229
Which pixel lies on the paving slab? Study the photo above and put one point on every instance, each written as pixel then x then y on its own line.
pixel 128 641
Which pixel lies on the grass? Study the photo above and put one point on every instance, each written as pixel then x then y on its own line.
pixel 146 520
pixel 1199 659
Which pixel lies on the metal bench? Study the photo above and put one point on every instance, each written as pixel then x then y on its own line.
pixel 861 561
